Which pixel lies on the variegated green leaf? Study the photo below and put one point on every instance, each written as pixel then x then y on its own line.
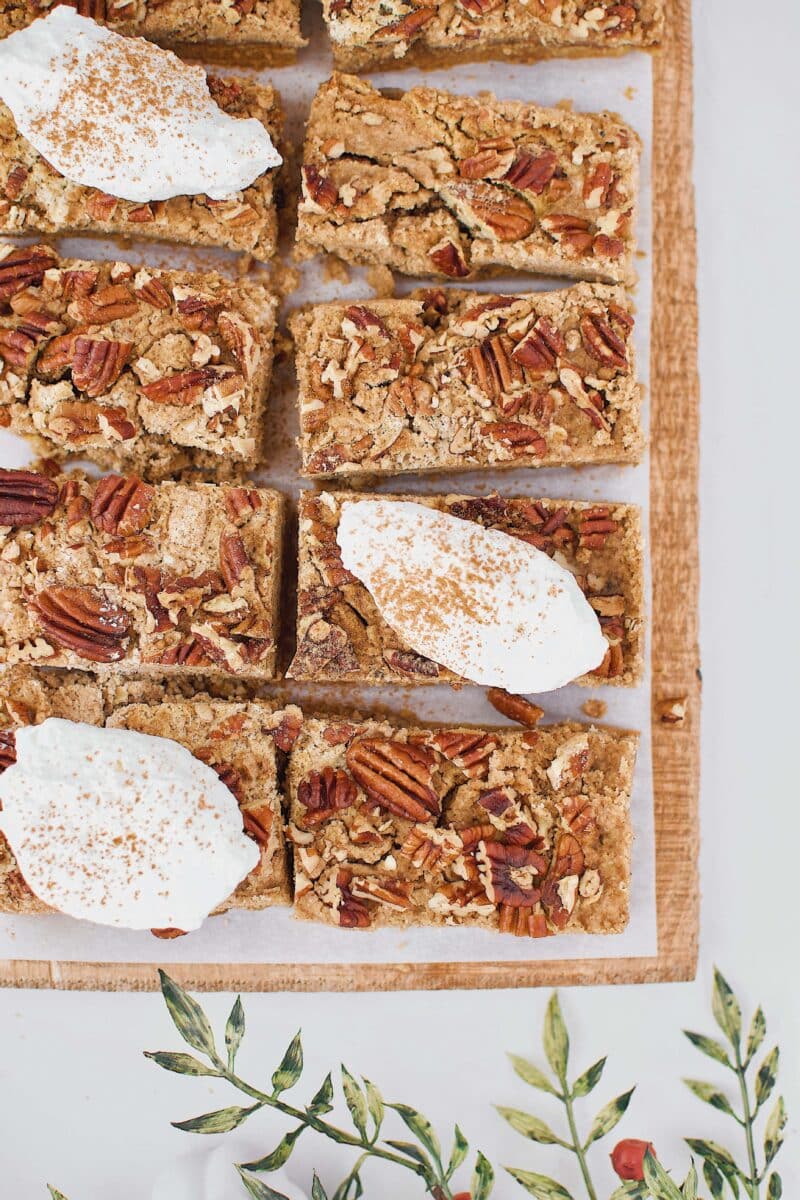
pixel 689 1187
pixel 188 1017
pixel 589 1080
pixel 555 1038
pixel 630 1191
pixel 55 1193
pixel 413 1152
pixel 726 1010
pixel 421 1127
pixel 531 1074
pixel 257 1188
pixel 234 1031
pixel 774 1187
pixel 221 1121
pixel 356 1101
pixel 658 1181
pixel 317 1190
pixel 720 1158
pixel 181 1064
pixel 711 1095
pixel 322 1101
pixel 758 1031
pixel 766 1077
pixel 482 1178
pixel 291 1067
pixel 540 1186
pixel 709 1046
pixel 457 1154
pixel 773 1132
pixel 530 1127
pixel 608 1117
pixel 714 1180
pixel 375 1104
pixel 280 1155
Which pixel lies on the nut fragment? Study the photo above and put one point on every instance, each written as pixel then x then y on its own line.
pixel 84 621
pixel 8 749
pixel 672 712
pixel 517 708
pixel 233 560
pixel 324 793
pixel 448 258
pixel 26 497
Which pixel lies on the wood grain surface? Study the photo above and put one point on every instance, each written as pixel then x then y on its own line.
pixel 675 403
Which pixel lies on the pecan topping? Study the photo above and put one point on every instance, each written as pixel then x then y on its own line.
pixel 16 348
pixel 324 646
pixel 511 875
pixel 8 749
pixel 288 731
pixel 393 893
pixel 241 502
pixel 83 620
pixel 24 268
pixel 352 912
pixel 532 172
pixel 121 504
pixel 97 364
pixel 428 848
pixel 558 897
pixel 26 497
pixel 112 303
pixel 408 662
pixel 517 708
pixel 448 259
pixel 257 823
pixel 396 775
pixel 15 181
pixel 153 292
pixel 182 388
pixel 597 184
pixel 602 342
pixel 509 217
pixel 469 751
pixel 595 525
pixel 540 350
pixel 492 366
pixel 233 560
pixel 80 421
pixel 319 188
pixel 325 793
pixel 365 318
pixel 407 27
pixel 573 233
pixel 491 160
pixel 516 436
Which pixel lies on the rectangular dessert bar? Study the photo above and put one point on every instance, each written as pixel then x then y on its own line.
pixel 243 741
pixel 242 33
pixel 522 832
pixel 34 198
pixel 341 635
pixel 367 37
pixel 448 380
pixel 137 369
pixel 117 576
pixel 429 183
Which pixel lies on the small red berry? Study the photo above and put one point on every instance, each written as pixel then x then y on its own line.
pixel 627 1158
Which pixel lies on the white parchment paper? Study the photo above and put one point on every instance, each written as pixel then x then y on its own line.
pixel 623 85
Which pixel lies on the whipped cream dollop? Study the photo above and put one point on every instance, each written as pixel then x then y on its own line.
pixel 121 828
pixel 482 603
pixel 122 115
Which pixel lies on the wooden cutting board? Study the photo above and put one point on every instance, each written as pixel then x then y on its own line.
pixel 675 411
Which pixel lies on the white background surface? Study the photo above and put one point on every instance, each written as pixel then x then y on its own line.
pixel 78 1104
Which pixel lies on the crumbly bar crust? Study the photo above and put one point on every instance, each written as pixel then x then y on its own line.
pixel 341 635
pixel 35 198
pixel 522 832
pixel 448 380
pixel 118 576
pixel 433 33
pixel 426 182
pixel 244 742
pixel 243 32
pixel 140 370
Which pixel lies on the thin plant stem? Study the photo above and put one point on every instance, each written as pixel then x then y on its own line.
pixel 753 1181
pixel 576 1143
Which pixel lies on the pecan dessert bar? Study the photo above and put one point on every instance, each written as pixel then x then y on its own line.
pixel 341 634
pixel 245 742
pixel 252 33
pixel 123 577
pixel 368 37
pixel 137 369
pixel 447 380
pixel 34 198
pixel 521 832
pixel 429 183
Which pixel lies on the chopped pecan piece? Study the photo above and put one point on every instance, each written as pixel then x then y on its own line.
pixel 407 27
pixel 153 292
pixel 319 188
pixel 325 793
pixel 121 504
pixel 396 775
pixel 408 662
pixel 428 848
pixel 240 502
pixel 81 421
pixel 97 363
pixel 511 875
pixel 469 751
pixel 493 367
pixel 84 621
pixel 24 268
pixel 352 912
pixel 15 181
pixel 540 351
pixel 114 302
pixel 595 525
pixel 26 497
pixel 288 731
pixel 517 708
pixel 182 388
pixel 8 749
pixel 448 258
pixel 233 560
pixel 324 647
pixel 491 160
pixel 516 436
pixel 602 342
pixel 393 893
pixel 532 172
pixel 560 890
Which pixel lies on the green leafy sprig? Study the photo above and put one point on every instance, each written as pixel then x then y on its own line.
pixel 720 1170
pixel 423 1156
pixel 555 1040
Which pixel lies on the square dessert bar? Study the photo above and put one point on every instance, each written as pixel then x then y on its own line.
pixel 522 832
pixel 342 636
pixel 243 741
pixel 367 37
pixel 35 198
pixel 252 33
pixel 429 183
pixel 117 576
pixel 448 380
pixel 137 369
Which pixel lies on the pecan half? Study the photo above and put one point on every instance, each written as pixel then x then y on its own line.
pixel 153 292
pixel 511 875
pixel 540 351
pixel 559 898
pixel 15 181
pixel 324 793
pixel 24 268
pixel 112 303
pixel 26 497
pixel 532 172
pixel 182 388
pixel 392 893
pixel 97 364
pixel 396 775
pixel 233 560
pixel 83 620
pixel 352 912
pixel 595 525
pixel 428 848
pixel 241 503
pixel 506 214
pixel 491 160
pixel 516 437
pixel 517 708
pixel 493 368
pixel 121 504
pixel 602 342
